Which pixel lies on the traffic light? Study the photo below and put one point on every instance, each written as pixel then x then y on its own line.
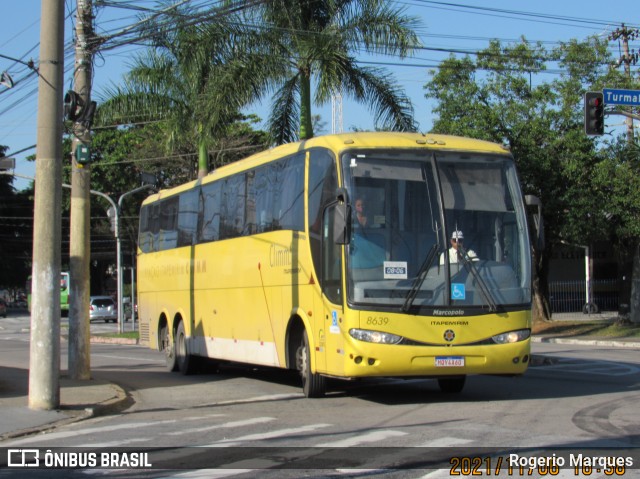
pixel 593 113
pixel 73 106
pixel 76 110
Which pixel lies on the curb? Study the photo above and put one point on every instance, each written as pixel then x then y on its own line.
pixel 122 401
pixel 109 340
pixel 613 343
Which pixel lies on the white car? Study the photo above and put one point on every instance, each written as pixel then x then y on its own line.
pixel 103 308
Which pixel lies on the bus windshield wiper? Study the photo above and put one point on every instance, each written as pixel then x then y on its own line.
pixel 482 285
pixel 420 277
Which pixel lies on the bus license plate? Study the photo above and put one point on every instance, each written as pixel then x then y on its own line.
pixel 449 361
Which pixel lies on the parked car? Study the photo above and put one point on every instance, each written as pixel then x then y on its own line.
pixel 3 308
pixel 103 307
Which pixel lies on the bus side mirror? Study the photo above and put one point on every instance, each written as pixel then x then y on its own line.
pixel 341 218
pixel 538 223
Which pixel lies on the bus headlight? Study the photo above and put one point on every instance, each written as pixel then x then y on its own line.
pixel 512 336
pixel 374 336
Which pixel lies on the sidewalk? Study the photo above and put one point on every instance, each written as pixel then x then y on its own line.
pixel 84 399
pixel 79 399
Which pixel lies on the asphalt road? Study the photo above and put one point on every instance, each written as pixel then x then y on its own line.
pixel 573 399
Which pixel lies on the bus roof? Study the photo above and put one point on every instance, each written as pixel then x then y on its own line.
pixel 340 142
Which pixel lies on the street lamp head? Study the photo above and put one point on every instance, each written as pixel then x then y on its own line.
pixel 148 179
pixel 6 80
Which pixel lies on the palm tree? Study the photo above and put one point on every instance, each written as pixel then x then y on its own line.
pixel 179 82
pixel 315 41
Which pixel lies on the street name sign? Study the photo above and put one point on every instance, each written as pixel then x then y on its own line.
pixel 621 97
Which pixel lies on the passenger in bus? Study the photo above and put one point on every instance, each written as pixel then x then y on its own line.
pixel 360 212
pixel 457 240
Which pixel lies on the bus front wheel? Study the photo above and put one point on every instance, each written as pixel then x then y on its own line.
pixel 313 385
pixel 452 385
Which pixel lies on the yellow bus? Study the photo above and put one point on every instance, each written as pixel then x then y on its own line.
pixel 269 261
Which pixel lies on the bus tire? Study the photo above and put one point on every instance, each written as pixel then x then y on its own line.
pixel 452 385
pixel 187 364
pixel 313 384
pixel 167 346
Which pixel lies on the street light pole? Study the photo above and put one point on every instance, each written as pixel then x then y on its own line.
pixel 119 250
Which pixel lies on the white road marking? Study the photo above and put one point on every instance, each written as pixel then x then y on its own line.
pixel 267 435
pixel 374 436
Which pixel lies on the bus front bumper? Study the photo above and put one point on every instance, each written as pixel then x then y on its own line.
pixel 412 361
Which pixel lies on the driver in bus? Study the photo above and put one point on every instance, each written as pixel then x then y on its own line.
pixel 457 240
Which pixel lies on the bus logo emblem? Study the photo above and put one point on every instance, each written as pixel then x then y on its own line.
pixel 449 335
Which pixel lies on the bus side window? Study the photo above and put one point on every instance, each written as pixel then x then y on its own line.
pixel 232 207
pixel 188 217
pixel 144 235
pixel 168 237
pixel 290 210
pixel 154 226
pixel 210 222
pixel 322 190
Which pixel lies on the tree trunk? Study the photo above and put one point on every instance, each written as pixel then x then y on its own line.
pixel 541 310
pixel 306 125
pixel 635 287
pixel 203 160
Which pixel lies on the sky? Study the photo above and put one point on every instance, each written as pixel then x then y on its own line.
pixel 463 25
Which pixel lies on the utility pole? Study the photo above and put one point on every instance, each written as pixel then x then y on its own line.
pixel 624 34
pixel 80 231
pixel 44 354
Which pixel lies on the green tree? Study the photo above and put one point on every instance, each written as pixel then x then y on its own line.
pixel 16 223
pixel 298 43
pixel 493 98
pixel 179 82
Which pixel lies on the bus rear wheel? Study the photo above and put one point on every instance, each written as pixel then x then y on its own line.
pixel 452 385
pixel 313 385
pixel 187 364
pixel 169 350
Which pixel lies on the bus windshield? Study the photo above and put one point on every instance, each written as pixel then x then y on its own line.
pixel 435 230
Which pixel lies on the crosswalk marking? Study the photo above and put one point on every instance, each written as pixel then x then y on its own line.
pixel 374 436
pixel 208 474
pixel 246 422
pixel 255 399
pixel 267 435
pixel 101 429
pixel 446 442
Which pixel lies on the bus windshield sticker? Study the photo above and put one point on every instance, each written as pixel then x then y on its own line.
pixel 395 270
pixel 458 291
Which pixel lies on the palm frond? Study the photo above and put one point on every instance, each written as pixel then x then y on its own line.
pixel 285 113
pixel 392 109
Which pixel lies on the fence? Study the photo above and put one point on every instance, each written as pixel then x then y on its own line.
pixel 570 296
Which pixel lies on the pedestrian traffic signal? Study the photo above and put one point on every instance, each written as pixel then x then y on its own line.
pixel 593 113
